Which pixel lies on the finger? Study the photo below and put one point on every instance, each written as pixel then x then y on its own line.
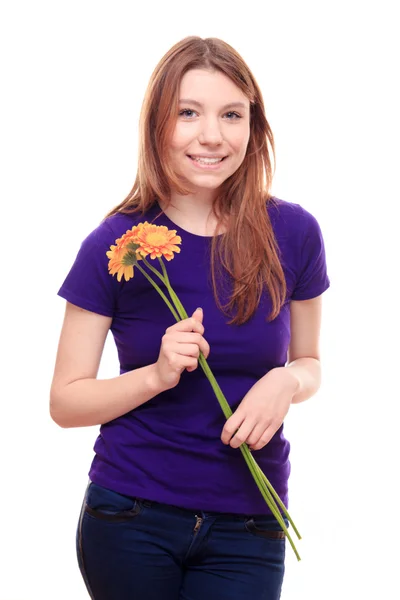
pixel 264 439
pixel 198 314
pixel 179 362
pixel 192 367
pixel 202 344
pixel 190 324
pixel 193 338
pixel 205 348
pixel 256 434
pixel 185 349
pixel 231 426
pixel 242 433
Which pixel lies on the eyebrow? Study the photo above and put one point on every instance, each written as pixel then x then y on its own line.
pixel 199 104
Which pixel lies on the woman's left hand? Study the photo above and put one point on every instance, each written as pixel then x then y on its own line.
pixel 262 410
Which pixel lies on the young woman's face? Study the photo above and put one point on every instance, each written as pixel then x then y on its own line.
pixel 213 124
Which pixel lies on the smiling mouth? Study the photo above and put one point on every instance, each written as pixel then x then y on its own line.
pixel 207 161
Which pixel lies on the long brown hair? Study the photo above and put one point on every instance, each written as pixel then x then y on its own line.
pixel 248 250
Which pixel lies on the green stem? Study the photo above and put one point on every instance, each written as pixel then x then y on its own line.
pixel 273 492
pixel 254 467
pixel 267 496
pixel 177 303
pixel 220 396
pixel 262 482
pixel 226 409
pixel 164 270
pixel 150 266
pixel 228 412
pixel 159 291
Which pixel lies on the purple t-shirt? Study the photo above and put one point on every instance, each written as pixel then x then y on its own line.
pixel 169 449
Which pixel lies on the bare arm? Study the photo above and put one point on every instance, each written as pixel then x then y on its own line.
pixel 77 398
pixel 304 353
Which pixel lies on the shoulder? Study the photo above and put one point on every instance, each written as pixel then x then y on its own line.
pixel 111 228
pixel 292 222
pixel 300 239
pixel 289 213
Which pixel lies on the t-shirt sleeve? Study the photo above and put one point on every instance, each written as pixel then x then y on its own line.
pixel 313 279
pixel 88 283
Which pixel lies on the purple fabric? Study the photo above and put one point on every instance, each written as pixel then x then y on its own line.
pixel 169 449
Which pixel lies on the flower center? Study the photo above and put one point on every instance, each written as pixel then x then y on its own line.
pixel 155 239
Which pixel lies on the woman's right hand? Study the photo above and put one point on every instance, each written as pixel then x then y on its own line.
pixel 180 349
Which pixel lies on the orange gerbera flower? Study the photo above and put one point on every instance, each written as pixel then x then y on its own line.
pixel 156 240
pixel 143 239
pixel 123 256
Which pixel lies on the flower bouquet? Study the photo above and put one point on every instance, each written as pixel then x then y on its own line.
pixel 158 242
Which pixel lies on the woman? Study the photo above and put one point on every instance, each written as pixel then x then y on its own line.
pixel 171 510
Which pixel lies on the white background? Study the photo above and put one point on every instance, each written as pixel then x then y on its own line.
pixel 73 75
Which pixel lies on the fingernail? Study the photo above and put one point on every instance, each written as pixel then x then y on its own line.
pixel 199 308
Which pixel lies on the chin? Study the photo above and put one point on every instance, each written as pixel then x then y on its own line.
pixel 203 181
pixel 205 185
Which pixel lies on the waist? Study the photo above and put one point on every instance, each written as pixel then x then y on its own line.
pixel 188 473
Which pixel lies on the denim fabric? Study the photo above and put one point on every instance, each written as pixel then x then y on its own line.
pixel 133 549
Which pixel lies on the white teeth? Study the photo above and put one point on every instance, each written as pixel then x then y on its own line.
pixel 207 161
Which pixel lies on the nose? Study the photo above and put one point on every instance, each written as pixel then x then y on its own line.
pixel 210 132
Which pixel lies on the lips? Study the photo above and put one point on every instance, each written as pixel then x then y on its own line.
pixel 196 156
pixel 206 160
pixel 204 165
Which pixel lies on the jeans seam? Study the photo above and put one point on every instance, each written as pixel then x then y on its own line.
pixel 80 548
pixel 270 534
pixel 122 516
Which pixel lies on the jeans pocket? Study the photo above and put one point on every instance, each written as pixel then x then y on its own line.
pixel 107 505
pixel 266 527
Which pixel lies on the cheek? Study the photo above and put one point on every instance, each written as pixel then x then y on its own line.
pixel 180 138
pixel 240 139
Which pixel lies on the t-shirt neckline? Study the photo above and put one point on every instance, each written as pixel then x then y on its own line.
pixel 185 231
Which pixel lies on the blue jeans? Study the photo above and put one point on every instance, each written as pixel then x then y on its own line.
pixel 133 549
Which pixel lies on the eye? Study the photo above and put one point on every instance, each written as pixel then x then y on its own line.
pixel 188 113
pixel 186 110
pixel 235 115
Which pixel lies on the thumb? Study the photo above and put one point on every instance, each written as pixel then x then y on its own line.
pixel 198 314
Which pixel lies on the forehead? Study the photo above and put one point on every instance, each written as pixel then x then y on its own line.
pixel 210 87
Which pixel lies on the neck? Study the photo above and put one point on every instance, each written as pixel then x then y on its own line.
pixel 192 212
